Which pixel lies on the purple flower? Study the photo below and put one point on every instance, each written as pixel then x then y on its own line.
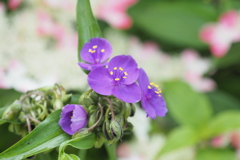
pixel 95 53
pixel 152 99
pixel 118 79
pixel 73 118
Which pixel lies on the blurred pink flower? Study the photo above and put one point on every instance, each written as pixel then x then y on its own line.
pixel 14 4
pixel 2 7
pixel 62 4
pixel 114 12
pixel 46 26
pixel 221 35
pixel 220 141
pixel 195 68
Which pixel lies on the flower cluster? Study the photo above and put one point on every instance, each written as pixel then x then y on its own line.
pixel 220 35
pixel 114 85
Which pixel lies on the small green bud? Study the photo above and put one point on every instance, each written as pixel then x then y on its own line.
pixel 94 96
pixel 12 111
pixel 127 112
pixel 92 119
pixel 128 129
pixel 22 117
pixel 116 129
pixel 81 132
pixel 133 110
pixel 85 100
pixel 106 131
pixel 92 109
pixel 66 98
pixel 57 104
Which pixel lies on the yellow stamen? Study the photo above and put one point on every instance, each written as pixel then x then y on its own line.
pixel 115 68
pixel 120 68
pixel 117 79
pixel 156 86
pixel 111 72
pixel 157 92
pixel 159 95
pixel 95 46
pixel 125 73
pixel 89 50
pixel 103 50
pixel 151 83
pixel 149 87
pixel 93 51
pixel 124 77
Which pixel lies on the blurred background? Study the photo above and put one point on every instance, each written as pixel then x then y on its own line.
pixel 191 48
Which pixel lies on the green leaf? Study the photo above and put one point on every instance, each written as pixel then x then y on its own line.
pixel 45 136
pixel 86 23
pixel 231 58
pixel 85 141
pixel 222 101
pixel 7 96
pixel 176 22
pixel 69 157
pixel 187 106
pixel 216 154
pixel 223 122
pixel 179 137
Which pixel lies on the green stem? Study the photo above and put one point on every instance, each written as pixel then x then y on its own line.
pixel 111 150
pixel 82 154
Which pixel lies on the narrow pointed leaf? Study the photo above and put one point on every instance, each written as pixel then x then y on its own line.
pixel 86 23
pixel 45 136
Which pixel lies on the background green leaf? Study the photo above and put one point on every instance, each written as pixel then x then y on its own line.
pixel 216 154
pixel 45 136
pixel 175 139
pixel 176 22
pixel 223 122
pixel 187 106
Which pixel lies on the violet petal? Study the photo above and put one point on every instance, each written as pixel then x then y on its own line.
pixel 100 81
pixel 128 64
pixel 127 93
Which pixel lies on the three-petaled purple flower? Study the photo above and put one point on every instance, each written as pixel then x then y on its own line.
pixel 95 53
pixel 118 79
pixel 73 118
pixel 152 99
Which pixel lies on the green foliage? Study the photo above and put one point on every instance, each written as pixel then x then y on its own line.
pixel 175 139
pixel 86 23
pixel 193 111
pixel 85 141
pixel 45 136
pixel 223 122
pixel 216 154
pixel 176 22
pixel 187 106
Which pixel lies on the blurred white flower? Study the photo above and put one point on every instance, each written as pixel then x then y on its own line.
pixel 188 66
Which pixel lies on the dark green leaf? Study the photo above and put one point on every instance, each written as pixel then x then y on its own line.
pixel 187 106
pixel 86 23
pixel 177 22
pixel 45 136
pixel 222 101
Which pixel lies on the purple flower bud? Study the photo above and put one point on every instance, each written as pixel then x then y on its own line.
pixel 73 118
pixel 152 99
pixel 95 53
pixel 118 79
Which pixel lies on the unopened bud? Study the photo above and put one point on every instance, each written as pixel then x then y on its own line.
pixel 128 129
pixel 92 119
pixel 57 104
pixel 94 96
pixel 66 98
pixel 116 129
pixel 85 100
pixel 107 131
pixel 99 140
pixel 12 111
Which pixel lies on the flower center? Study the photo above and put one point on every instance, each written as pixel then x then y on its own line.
pixel 98 55
pixel 154 89
pixel 118 74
